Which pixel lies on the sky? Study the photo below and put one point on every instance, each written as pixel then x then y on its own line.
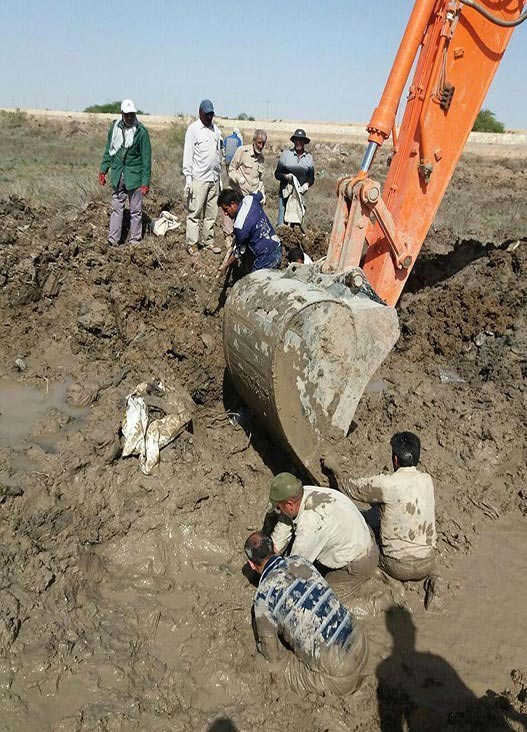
pixel 301 60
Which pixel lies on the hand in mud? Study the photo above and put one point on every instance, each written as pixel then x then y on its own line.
pixel 144 190
pixel 329 463
pixel 102 179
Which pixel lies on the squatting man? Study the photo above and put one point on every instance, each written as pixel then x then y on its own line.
pixel 407 507
pixel 327 528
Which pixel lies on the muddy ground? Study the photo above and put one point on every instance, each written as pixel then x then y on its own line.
pixel 123 604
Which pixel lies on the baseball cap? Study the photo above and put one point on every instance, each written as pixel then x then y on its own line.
pixel 128 106
pixel 284 486
pixel 206 106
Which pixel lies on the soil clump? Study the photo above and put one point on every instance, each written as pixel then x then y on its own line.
pixel 123 605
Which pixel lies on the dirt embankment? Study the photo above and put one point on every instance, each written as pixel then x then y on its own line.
pixel 123 603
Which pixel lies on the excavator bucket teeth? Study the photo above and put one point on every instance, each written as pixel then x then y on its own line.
pixel 301 347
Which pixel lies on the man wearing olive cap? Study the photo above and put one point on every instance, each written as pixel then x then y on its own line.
pixel 294 163
pixel 326 527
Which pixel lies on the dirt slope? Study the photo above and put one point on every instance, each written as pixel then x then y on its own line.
pixel 123 602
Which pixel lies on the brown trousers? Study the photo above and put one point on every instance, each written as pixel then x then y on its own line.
pixel 354 574
pixel 339 670
pixel 408 569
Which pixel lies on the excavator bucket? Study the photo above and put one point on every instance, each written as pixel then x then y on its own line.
pixel 301 347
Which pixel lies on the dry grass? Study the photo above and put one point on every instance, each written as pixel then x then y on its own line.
pixel 55 163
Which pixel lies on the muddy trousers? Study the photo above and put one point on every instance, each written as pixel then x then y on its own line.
pixel 338 670
pixel 354 574
pixel 408 569
pixel 135 198
pixel 202 207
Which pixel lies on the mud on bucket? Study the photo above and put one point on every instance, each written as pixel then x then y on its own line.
pixel 301 347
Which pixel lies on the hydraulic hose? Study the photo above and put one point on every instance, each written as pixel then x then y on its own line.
pixel 493 19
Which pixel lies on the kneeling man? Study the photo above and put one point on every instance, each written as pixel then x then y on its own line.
pixel 295 604
pixel 407 505
pixel 328 530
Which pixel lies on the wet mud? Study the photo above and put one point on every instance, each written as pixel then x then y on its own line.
pixel 123 603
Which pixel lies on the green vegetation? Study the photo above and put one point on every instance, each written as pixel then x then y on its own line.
pixel 176 134
pixel 108 108
pixel 244 116
pixel 486 122
pixel 14 119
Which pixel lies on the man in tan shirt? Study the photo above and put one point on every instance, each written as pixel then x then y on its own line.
pixel 326 528
pixel 246 174
pixel 407 505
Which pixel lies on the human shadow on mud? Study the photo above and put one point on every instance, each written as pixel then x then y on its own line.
pixel 222 724
pixel 434 268
pixel 421 692
pixel 146 222
pixel 275 459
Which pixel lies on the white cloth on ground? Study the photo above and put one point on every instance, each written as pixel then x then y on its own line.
pixel 166 222
pixel 144 436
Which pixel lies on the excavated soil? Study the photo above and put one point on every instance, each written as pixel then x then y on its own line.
pixel 123 603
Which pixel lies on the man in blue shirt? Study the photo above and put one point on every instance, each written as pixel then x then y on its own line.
pixel 231 144
pixel 294 604
pixel 254 237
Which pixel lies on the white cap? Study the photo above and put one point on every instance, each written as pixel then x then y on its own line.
pixel 128 106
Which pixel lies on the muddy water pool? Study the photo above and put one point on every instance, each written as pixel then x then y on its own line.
pixel 32 415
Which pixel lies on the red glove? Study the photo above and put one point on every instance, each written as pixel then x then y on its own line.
pixel 144 190
pixel 102 179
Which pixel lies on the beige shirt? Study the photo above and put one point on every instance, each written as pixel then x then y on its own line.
pixel 329 528
pixel 246 170
pixel 406 500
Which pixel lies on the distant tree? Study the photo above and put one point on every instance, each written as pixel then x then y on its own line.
pixel 244 116
pixel 108 108
pixel 486 122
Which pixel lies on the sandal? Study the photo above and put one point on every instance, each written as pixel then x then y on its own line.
pixel 191 250
pixel 213 249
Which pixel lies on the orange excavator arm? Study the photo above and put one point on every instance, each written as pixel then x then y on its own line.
pixel 458 45
pixel 301 344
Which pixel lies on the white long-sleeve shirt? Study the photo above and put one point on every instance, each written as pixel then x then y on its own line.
pixel 406 500
pixel 328 528
pixel 202 152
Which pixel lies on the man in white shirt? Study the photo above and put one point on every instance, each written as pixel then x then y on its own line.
pixel 407 505
pixel 327 529
pixel 201 168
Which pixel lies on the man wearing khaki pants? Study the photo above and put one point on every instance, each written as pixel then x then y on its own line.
pixel 201 168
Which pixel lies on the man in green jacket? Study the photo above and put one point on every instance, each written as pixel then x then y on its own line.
pixel 128 157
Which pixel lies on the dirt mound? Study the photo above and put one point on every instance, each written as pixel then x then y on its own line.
pixel 123 604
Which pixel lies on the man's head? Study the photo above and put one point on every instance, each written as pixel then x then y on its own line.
pixel 259 140
pixel 286 494
pixel 206 112
pixel 259 548
pixel 128 112
pixel 295 256
pixel 229 201
pixel 300 140
pixel 406 450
